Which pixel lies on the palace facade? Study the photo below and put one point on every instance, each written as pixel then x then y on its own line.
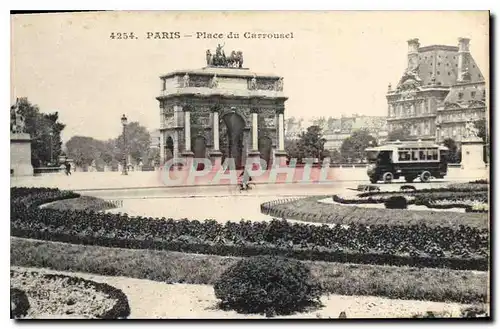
pixel 440 91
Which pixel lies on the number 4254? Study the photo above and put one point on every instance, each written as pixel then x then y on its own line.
pixel 122 36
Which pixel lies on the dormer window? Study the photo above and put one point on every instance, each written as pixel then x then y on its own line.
pixel 473 94
pixel 460 95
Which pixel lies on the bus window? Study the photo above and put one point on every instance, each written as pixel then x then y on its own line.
pixel 434 154
pixel 404 155
pixel 422 155
pixel 414 155
pixel 429 154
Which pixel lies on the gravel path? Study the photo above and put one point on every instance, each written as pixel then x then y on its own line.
pixel 150 299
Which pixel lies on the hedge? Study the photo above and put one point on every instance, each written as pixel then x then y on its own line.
pixel 417 245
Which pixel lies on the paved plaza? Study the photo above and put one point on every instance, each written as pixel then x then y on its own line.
pixel 81 181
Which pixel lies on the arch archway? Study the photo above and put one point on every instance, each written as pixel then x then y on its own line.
pixel 199 149
pixel 169 148
pixel 265 149
pixel 231 138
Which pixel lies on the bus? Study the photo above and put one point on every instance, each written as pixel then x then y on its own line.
pixel 410 159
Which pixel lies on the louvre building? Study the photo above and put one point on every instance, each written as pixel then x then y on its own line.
pixel 440 91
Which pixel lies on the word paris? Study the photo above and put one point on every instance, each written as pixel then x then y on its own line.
pixel 254 168
pixel 246 35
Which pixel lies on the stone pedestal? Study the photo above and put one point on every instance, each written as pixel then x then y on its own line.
pixel 253 157
pixel 280 158
pixel 188 157
pixel 20 155
pixel 216 158
pixel 472 154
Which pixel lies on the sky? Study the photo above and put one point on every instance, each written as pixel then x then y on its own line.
pixel 338 63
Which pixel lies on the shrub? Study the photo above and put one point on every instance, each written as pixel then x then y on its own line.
pixel 268 284
pixel 19 303
pixel 408 188
pixel 474 311
pixel 479 181
pixel 396 202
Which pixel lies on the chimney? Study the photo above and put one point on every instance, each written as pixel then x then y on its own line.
pixel 413 46
pixel 463 59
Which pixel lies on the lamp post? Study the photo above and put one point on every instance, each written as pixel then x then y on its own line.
pixel 124 124
pixel 50 149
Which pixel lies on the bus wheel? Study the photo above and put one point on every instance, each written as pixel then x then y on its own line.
pixel 425 176
pixel 387 177
pixel 409 179
pixel 373 180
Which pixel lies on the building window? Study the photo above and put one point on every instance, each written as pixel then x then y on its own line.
pixel 449 73
pixel 438 73
pixel 473 94
pixel 460 95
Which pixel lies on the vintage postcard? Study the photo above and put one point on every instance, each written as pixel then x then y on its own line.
pixel 244 165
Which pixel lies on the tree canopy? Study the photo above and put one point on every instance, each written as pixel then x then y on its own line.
pixel 45 132
pixel 84 150
pixel 353 147
pixel 310 144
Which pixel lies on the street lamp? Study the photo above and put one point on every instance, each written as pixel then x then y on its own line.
pixel 50 144
pixel 124 124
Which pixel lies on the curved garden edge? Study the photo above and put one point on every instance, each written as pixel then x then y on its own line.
pixel 440 285
pixel 310 210
pixel 121 308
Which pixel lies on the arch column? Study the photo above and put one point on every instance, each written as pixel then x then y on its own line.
pixel 280 153
pixel 187 154
pixel 215 154
pixel 254 154
pixel 162 147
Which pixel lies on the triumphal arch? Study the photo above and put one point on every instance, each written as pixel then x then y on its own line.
pixel 222 111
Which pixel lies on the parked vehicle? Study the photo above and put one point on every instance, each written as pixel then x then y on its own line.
pixel 410 159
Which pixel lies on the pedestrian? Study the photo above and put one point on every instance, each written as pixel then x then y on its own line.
pixel 68 168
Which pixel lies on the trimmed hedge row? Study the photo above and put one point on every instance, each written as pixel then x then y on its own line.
pixel 418 245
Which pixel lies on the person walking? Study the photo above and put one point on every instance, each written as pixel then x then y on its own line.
pixel 68 168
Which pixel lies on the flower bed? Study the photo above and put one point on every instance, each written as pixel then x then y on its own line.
pixel 60 296
pixel 417 245
pixel 310 210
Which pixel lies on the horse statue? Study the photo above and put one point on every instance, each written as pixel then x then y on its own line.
pixel 235 59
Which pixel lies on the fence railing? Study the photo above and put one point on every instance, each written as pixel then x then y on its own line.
pixel 269 208
pixel 116 203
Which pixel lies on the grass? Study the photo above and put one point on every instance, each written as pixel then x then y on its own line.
pixel 83 203
pixel 439 285
pixel 310 210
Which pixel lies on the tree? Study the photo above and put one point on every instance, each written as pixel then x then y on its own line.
pixel 45 132
pixel 353 147
pixel 454 155
pixel 483 133
pixel 312 143
pixel 293 150
pixel 335 156
pixel 138 141
pixel 84 150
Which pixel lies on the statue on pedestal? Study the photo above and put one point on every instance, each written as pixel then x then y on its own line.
pixel 214 83
pixel 209 57
pixel 279 84
pixel 185 81
pixel 17 121
pixel 219 59
pixel 471 132
pixel 253 83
